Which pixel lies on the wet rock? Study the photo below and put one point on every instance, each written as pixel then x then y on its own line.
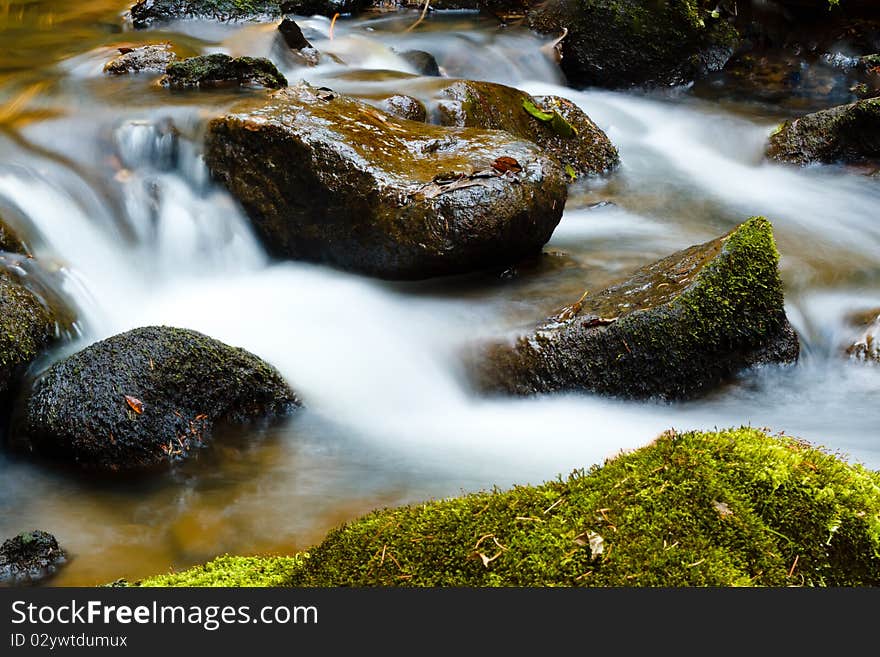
pixel 10 241
pixel 675 330
pixel 150 12
pixel 422 62
pixel 866 345
pixel 848 133
pixel 144 398
pixel 405 107
pixel 623 43
pixel 152 58
pixel 30 557
pixel 220 69
pixel 323 7
pixel 300 47
pixel 576 141
pixel 330 179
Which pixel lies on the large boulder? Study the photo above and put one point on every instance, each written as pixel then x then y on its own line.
pixel 622 43
pixel 147 397
pixel 146 13
pixel 30 557
pixel 848 133
pixel 675 329
pixel 556 124
pixel 219 69
pixel 330 179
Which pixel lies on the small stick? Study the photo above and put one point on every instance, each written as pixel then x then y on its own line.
pixel 421 17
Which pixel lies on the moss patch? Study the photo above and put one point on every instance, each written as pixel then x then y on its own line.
pixel 218 68
pixel 148 12
pixel 728 508
pixel 233 571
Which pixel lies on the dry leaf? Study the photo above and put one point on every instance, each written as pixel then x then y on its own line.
pixel 597 544
pixel 136 404
pixel 722 509
pixel 504 164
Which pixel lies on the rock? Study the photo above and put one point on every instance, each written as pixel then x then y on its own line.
pixel 10 240
pixel 405 107
pixel 623 43
pixel 293 35
pixel 149 12
pixel 586 148
pixel 30 557
pixel 323 7
pixel 144 59
pixel 220 69
pixel 330 179
pixel 848 133
pixel 676 329
pixel 147 397
pixel 866 346
pixel 422 62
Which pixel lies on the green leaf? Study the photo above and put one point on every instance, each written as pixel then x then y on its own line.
pixel 532 109
pixel 571 172
pixel 562 127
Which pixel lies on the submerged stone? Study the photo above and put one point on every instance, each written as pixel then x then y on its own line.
pixel 423 62
pixel 866 345
pixel 331 179
pixel 622 43
pixel 848 133
pixel 153 58
pixel 149 12
pixel 565 132
pixel 220 69
pixel 144 398
pixel 405 107
pixel 674 330
pixel 30 557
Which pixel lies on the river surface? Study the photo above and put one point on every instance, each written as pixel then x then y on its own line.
pixel 131 231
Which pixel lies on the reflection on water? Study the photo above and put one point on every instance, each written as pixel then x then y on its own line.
pixel 120 207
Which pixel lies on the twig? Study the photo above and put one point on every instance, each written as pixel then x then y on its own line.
pixel 421 17
pixel 794 565
pixel 332 23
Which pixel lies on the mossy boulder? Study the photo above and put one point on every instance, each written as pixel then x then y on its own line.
pixel 253 571
pixel 623 43
pixel 152 58
pixel 30 557
pixel 145 398
pixel 574 140
pixel 219 69
pixel 330 179
pixel 150 12
pixel 848 133
pixel 726 508
pixel 674 330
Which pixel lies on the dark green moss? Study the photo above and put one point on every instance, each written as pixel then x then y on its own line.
pixel 148 12
pixel 27 328
pixel 674 330
pixel 727 508
pixel 219 68
pixel 848 133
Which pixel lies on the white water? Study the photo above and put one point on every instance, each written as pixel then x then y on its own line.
pixel 378 364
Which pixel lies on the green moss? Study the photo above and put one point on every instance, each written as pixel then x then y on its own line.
pixel 233 571
pixel 219 68
pixel 728 508
pixel 148 12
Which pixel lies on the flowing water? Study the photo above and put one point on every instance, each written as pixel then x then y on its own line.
pixel 126 225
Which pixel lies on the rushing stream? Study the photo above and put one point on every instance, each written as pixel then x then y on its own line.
pixel 126 224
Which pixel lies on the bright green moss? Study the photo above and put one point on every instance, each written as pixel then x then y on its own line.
pixel 728 508
pixel 233 571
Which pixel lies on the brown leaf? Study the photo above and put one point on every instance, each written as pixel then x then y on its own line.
pixel 504 164
pixel 136 404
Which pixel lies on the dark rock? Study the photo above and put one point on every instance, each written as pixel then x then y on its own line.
pixel 10 241
pixel 848 133
pixel 623 43
pixel 296 48
pixel 149 12
pixel 674 330
pixel 330 179
pixel 150 59
pixel 405 107
pixel 586 149
pixel 423 62
pixel 30 557
pixel 146 397
pixel 323 7
pixel 293 35
pixel 220 69
pixel 865 346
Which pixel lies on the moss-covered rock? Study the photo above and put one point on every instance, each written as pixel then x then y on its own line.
pixel 232 571
pixel 152 58
pixel 330 179
pixel 621 43
pixel 726 508
pixel 405 107
pixel 575 141
pixel 149 12
pixel 30 557
pixel 848 133
pixel 220 69
pixel 674 330
pixel 147 397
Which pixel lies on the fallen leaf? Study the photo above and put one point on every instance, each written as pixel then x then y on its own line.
pixel 722 509
pixel 538 113
pixel 505 164
pixel 136 404
pixel 597 544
